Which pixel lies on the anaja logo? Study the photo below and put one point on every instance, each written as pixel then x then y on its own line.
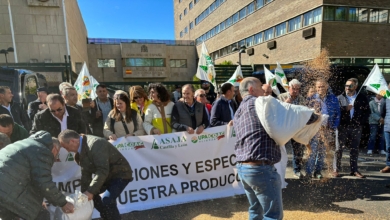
pixel 169 142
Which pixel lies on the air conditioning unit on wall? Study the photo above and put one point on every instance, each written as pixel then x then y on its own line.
pixel 309 33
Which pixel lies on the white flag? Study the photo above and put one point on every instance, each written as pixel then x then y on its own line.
pixel 281 76
pixel 206 70
pixel 376 83
pixel 237 77
pixel 270 79
pixel 85 84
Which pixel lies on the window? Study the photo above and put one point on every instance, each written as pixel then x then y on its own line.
pixel 106 63
pixel 179 1
pixel 267 1
pixel 185 11
pixel 30 88
pixel 224 51
pixel 228 22
pixel 378 15
pixel 357 14
pixel 242 13
pixel 217 29
pixel 308 18
pixel 181 34
pixel 269 34
pixel 180 16
pixel 317 14
pixel 147 62
pixel 196 1
pixel 294 24
pixel 329 13
pixel 191 25
pixel 249 41
pixel 280 29
pixel 341 14
pixel 333 13
pixel 178 63
pixel 235 17
pixel 216 54
pixel 222 26
pixel 260 4
pixel 212 7
pixel 212 32
pixel 241 43
pixel 251 8
pixel 186 30
pixel 259 38
pixel 191 5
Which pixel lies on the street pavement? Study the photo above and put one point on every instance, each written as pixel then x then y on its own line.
pixel 330 198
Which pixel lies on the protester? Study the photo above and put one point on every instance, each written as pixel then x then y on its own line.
pixel 111 170
pixel 385 113
pixel 158 114
pixel 200 96
pixel 188 114
pixel 26 177
pixel 122 121
pixel 139 100
pixel 354 113
pixel 176 95
pixel 98 115
pixel 293 96
pixel 4 140
pixel 256 153
pixel 312 91
pixel 237 96
pixel 9 107
pixel 62 86
pixel 223 110
pixel 38 105
pixel 57 117
pixel 14 131
pixel 71 98
pixel 376 125
pixel 210 94
pixel 326 102
pixel 267 90
pixel 119 92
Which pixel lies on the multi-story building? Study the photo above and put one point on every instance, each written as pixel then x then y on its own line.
pixel 287 31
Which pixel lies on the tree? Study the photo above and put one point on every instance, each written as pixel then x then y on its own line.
pixel 226 62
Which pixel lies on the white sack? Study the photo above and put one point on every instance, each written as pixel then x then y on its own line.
pixel 283 121
pixel 281 166
pixel 83 208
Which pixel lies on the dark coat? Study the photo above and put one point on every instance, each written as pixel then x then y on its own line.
pixel 18 133
pixel 33 109
pixel 361 111
pixel 44 120
pixel 97 124
pixel 220 112
pixel 18 114
pixel 100 157
pixel 181 118
pixel 25 168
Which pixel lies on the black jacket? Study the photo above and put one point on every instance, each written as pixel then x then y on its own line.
pixel 33 108
pixel 220 112
pixel 361 111
pixel 44 120
pixel 181 116
pixel 97 124
pixel 18 114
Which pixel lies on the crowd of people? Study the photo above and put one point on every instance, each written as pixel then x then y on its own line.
pixel 85 130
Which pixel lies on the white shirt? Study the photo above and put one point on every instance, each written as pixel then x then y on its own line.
pixel 64 122
pixel 351 100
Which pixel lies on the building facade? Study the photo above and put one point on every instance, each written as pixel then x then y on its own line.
pixel 287 31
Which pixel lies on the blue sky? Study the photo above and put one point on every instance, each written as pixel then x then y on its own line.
pixel 131 19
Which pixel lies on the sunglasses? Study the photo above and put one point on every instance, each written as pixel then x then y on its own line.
pixel 349 86
pixel 54 111
pixel 135 98
pixel 202 95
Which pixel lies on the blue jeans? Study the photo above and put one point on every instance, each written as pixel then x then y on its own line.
pixel 376 130
pixel 106 204
pixel 316 158
pixel 263 189
pixel 387 138
pixel 297 150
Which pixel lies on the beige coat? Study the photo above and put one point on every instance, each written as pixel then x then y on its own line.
pixel 120 130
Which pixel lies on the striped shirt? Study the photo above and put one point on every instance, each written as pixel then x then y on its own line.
pixel 253 142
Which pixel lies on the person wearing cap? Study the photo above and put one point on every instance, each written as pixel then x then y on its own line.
pixel 38 105
pixel 210 94
pixel 26 177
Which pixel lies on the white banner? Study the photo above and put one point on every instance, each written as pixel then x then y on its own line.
pixel 168 169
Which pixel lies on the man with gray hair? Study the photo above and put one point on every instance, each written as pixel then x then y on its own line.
pixel 256 153
pixel 4 140
pixel 293 96
pixel 200 96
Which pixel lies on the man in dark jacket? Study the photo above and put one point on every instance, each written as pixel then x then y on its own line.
pixel 210 94
pixel 12 108
pixel 98 114
pixel 14 131
pixel 38 105
pixel 223 109
pixel 354 113
pixel 112 171
pixel 58 117
pixel 26 179
pixel 188 114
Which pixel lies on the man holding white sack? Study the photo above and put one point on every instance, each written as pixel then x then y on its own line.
pixel 256 151
pixel 112 171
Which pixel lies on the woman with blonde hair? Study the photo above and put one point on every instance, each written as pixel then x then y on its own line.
pixel 158 114
pixel 122 121
pixel 139 100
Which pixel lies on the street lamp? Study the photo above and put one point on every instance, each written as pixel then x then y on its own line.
pixel 5 52
pixel 242 50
